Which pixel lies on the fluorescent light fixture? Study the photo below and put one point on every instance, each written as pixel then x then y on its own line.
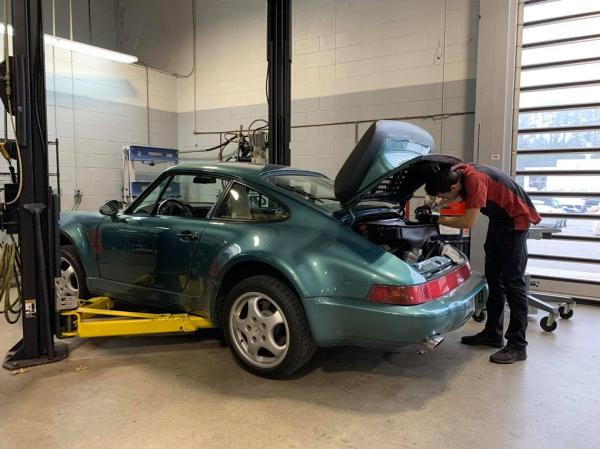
pixel 10 29
pixel 78 47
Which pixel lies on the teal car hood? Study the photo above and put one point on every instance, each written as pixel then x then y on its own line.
pixel 387 147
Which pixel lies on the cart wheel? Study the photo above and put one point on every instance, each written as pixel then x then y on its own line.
pixel 479 316
pixel 563 315
pixel 544 324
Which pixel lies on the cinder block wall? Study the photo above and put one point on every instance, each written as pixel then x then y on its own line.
pixel 94 107
pixel 353 60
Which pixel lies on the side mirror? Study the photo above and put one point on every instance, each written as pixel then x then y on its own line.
pixel 110 208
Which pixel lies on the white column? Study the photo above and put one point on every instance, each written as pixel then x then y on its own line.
pixel 494 97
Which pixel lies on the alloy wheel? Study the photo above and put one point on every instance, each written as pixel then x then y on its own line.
pixel 68 283
pixel 259 329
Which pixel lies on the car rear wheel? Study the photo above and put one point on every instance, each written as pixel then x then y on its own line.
pixel 72 276
pixel 266 327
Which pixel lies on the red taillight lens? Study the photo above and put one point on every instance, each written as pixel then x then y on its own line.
pixel 410 295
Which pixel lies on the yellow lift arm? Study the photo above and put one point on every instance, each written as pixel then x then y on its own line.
pixel 95 318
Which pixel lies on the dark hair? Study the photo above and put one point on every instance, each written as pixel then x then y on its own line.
pixel 441 182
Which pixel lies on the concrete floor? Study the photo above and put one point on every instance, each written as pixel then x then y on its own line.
pixel 187 392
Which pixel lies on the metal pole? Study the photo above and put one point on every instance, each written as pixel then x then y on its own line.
pixel 38 258
pixel 279 19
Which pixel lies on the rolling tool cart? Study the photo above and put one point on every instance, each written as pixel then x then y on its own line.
pixel 555 306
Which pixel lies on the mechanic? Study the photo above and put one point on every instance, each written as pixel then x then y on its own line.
pixel 490 191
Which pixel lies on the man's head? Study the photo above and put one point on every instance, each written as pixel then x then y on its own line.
pixel 445 184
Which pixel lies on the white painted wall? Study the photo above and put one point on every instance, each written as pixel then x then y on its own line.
pixel 352 60
pixel 94 107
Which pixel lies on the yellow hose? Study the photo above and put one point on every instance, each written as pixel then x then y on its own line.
pixel 9 273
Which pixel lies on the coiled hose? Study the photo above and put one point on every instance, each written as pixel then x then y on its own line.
pixel 9 273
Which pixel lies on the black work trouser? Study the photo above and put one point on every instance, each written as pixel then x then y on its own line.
pixel 505 263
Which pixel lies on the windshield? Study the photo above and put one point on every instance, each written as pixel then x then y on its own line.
pixel 314 188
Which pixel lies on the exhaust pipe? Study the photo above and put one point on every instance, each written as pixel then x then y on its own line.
pixel 430 344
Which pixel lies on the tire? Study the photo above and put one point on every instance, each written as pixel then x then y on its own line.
pixel 72 280
pixel 544 325
pixel 479 316
pixel 266 328
pixel 563 315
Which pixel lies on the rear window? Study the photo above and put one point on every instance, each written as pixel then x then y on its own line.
pixel 316 189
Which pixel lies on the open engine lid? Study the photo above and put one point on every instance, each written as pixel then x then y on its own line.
pixel 389 162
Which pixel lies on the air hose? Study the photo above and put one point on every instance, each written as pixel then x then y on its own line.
pixel 9 276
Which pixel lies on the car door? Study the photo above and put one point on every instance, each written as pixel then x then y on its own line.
pixel 153 244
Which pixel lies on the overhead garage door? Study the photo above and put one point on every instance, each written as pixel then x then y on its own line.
pixel 558 140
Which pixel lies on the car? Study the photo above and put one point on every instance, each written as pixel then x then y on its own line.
pixel 595 209
pixel 284 260
pixel 558 209
pixel 592 204
pixel 552 223
pixel 572 205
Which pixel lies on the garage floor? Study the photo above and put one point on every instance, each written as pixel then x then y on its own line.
pixel 187 392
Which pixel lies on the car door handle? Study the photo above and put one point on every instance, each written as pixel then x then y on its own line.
pixel 188 236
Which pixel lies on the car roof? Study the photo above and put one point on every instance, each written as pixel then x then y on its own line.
pixel 245 170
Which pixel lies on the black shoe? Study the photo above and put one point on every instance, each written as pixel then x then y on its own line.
pixel 509 354
pixel 482 339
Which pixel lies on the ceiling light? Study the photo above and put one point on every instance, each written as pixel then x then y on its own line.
pixel 78 47
pixel 10 29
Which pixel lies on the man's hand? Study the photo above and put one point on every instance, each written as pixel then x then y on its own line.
pixel 423 214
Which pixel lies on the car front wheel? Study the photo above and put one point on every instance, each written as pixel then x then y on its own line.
pixel 72 276
pixel 266 327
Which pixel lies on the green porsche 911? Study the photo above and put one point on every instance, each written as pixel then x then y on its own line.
pixel 284 260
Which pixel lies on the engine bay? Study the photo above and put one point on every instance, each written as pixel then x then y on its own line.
pixel 419 245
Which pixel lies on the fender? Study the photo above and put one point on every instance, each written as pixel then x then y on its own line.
pixel 235 260
pixel 85 240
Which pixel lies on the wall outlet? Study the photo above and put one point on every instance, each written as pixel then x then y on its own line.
pixel 77 194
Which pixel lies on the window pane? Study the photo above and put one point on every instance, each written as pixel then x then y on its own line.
pixel 557 97
pixel 566 270
pixel 194 195
pixel 571 139
pixel 563 52
pixel 559 183
pixel 316 189
pixel 568 248
pixel 568 205
pixel 571 28
pixel 571 117
pixel 558 8
pixel 567 161
pixel 576 227
pixel 566 74
pixel 244 203
pixel 149 201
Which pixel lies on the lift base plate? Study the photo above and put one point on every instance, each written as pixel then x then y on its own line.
pixel 15 359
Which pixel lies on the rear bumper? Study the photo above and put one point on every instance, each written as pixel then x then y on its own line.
pixel 340 321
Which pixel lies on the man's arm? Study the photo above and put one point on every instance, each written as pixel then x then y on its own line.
pixel 467 220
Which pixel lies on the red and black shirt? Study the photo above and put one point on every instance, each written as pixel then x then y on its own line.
pixel 497 195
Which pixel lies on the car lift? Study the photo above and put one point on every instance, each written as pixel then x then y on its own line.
pixel 84 321
pixel 31 209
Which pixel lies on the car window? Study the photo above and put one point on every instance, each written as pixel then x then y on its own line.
pixel 146 206
pixel 245 203
pixel 191 195
pixel 314 188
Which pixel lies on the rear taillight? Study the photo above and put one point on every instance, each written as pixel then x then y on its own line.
pixel 410 295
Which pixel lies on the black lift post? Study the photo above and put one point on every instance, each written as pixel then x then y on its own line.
pixel 279 20
pixel 37 206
